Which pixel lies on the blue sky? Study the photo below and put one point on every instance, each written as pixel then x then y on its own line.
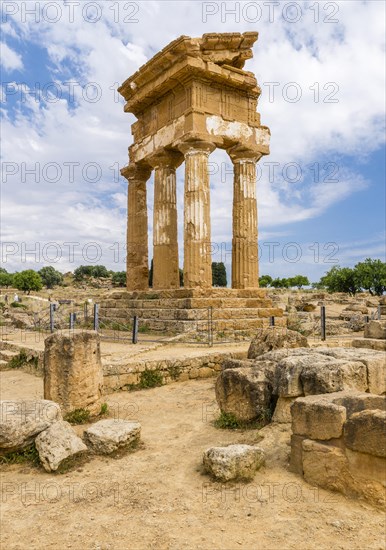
pixel 322 79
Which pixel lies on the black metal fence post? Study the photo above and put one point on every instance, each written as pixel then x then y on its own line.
pixel 52 317
pixel 96 317
pixel 135 330
pixel 272 321
pixel 323 322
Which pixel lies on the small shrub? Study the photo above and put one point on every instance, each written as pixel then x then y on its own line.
pixel 104 409
pixel 28 455
pixel 150 379
pixel 144 328
pixel 227 421
pixel 18 304
pixel 78 416
pixel 22 359
pixel 174 372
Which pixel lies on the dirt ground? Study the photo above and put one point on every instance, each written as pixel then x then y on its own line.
pixel 158 497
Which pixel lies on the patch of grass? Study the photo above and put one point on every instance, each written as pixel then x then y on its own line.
pixel 78 416
pixel 221 335
pixel 174 372
pixel 22 359
pixel 18 304
pixel 104 409
pixel 144 328
pixel 28 455
pixel 150 379
pixel 228 421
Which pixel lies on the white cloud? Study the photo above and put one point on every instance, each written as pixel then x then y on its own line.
pixel 9 58
pixel 349 54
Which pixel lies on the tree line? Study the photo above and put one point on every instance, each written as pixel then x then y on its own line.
pixel 369 275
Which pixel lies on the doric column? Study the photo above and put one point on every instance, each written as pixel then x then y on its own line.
pixel 137 277
pixel 197 234
pixel 245 267
pixel 165 241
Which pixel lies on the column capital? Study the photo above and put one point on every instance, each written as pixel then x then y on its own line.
pixel 196 147
pixel 241 153
pixel 166 158
pixel 136 172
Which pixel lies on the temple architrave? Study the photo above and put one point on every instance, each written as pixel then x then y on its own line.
pixel 193 97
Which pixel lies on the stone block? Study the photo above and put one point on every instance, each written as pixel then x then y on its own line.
pixel 325 466
pixel 282 414
pixel 246 393
pixel 109 436
pixel 365 432
pixel 296 457
pixel 334 376
pixel 22 420
pixel 57 444
pixel 233 462
pixel 375 329
pixel 73 374
pixel 316 417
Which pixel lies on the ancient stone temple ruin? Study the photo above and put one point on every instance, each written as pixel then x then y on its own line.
pixel 189 99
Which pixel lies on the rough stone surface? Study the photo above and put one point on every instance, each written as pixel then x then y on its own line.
pixel 245 393
pixel 109 436
pixel 282 413
pixel 21 421
pixel 375 329
pixel 365 432
pixel 57 444
pixel 271 338
pixel 233 462
pixel 335 376
pixel 73 375
pixel 316 417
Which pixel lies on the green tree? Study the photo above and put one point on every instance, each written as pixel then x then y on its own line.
pixel 100 271
pixel 341 279
pixel 219 274
pixel 299 281
pixel 265 281
pixel 6 279
pixel 50 276
pixel 371 275
pixel 119 278
pixel 280 283
pixel 28 280
pixel 83 271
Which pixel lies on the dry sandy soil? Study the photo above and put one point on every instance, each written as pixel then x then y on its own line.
pixel 158 497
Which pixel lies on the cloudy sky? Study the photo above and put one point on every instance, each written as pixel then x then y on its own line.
pixel 321 192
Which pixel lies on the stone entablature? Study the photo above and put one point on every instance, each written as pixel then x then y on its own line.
pixel 189 99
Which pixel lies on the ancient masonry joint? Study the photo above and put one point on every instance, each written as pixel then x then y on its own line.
pixel 189 99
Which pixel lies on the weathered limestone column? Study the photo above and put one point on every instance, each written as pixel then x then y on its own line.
pixel 73 374
pixel 165 241
pixel 245 267
pixel 137 270
pixel 197 233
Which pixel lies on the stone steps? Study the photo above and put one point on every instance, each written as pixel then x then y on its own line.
pixel 187 303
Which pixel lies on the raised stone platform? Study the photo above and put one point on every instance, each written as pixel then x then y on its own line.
pixel 184 310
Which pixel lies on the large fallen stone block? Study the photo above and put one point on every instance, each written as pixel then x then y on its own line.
pixel 246 393
pixel 268 339
pixel 73 374
pixel 57 445
pixel 375 362
pixel 233 462
pixel 290 369
pixel 109 436
pixel 375 329
pixel 282 413
pixel 356 402
pixel 22 420
pixel 334 376
pixel 325 466
pixel 317 417
pixel 365 432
